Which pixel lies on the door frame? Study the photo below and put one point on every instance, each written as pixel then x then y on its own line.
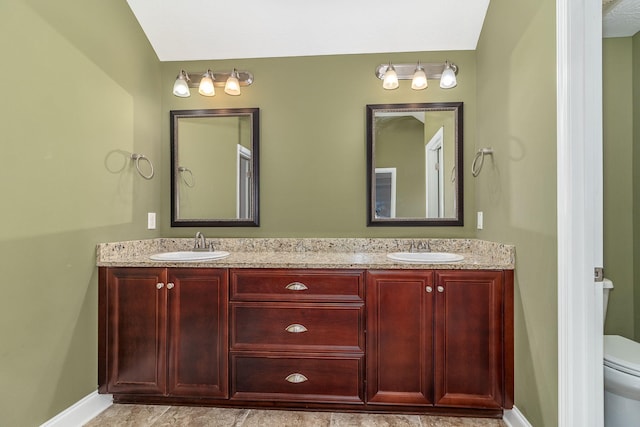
pixel 579 211
pixel 434 146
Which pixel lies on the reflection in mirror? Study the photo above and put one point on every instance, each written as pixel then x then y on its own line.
pixel 214 167
pixel 414 164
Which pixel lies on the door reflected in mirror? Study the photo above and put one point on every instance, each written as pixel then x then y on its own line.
pixel 414 164
pixel 214 157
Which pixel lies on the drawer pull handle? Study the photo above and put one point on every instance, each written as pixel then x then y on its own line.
pixel 440 288
pixel 159 285
pixel 296 286
pixel 296 328
pixel 296 378
pixel 170 285
pixel 429 289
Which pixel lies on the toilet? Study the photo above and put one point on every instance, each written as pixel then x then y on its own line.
pixel 621 376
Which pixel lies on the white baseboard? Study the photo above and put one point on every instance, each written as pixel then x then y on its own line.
pixel 514 418
pixel 82 411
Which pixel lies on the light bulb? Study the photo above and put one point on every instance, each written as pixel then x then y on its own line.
pixel 419 80
pixel 232 87
pixel 181 86
pixel 390 80
pixel 206 84
pixel 448 79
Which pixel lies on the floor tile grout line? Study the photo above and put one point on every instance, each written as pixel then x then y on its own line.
pixel 155 419
pixel 241 422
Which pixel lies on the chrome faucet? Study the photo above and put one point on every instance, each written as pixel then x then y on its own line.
pixel 200 242
pixel 420 247
pixel 423 247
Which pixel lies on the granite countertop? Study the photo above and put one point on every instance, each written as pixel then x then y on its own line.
pixel 334 253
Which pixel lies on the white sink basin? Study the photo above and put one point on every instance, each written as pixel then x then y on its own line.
pixel 425 257
pixel 189 256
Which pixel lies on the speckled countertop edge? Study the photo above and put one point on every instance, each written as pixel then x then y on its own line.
pixel 346 253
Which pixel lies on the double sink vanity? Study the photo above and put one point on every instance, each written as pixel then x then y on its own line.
pixel 326 324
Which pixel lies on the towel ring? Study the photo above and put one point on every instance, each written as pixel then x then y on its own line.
pixel 137 158
pixel 477 167
pixel 182 171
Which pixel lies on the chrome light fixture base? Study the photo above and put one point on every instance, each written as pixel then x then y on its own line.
pixel 245 78
pixel 194 79
pixel 433 70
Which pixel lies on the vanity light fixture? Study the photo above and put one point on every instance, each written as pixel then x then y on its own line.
pixel 419 80
pixel 444 71
pixel 390 78
pixel 448 78
pixel 181 86
pixel 207 81
pixel 232 87
pixel 206 84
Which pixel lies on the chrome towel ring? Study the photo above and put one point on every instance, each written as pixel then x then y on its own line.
pixel 191 181
pixel 477 167
pixel 137 158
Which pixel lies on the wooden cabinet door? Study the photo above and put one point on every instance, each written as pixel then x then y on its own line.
pixel 198 339
pixel 399 337
pixel 136 330
pixel 469 339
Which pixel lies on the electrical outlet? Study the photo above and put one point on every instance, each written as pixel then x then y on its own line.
pixel 151 220
pixel 480 221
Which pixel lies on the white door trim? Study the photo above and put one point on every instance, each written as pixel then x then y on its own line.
pixel 579 174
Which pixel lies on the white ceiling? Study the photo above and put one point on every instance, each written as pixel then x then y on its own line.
pixel 183 30
pixel 621 18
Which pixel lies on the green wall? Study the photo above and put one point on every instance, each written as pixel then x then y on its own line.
pixel 208 147
pixel 91 91
pixel 399 140
pixel 516 189
pixel 618 150
pixel 312 139
pixel 636 177
pixel 80 93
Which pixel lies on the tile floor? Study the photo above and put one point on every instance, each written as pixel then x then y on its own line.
pixel 159 416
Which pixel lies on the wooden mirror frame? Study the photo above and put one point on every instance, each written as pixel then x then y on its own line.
pixel 372 220
pixel 254 220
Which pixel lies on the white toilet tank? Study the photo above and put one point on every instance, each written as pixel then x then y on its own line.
pixel 621 375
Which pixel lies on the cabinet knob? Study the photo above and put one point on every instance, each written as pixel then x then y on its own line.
pixel 429 289
pixel 159 285
pixel 296 378
pixel 170 285
pixel 296 286
pixel 440 288
pixel 296 328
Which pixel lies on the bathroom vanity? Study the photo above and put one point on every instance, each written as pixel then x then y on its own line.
pixel 309 323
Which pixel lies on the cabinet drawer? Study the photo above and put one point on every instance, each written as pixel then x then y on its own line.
pixel 317 378
pixel 297 285
pixel 297 327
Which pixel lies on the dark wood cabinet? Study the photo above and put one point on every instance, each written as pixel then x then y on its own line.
pixel 469 331
pixel 433 341
pixel 134 330
pixel 297 335
pixel 163 331
pixel 399 338
pixel 441 338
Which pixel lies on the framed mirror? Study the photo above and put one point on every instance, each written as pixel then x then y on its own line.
pixel 214 168
pixel 414 164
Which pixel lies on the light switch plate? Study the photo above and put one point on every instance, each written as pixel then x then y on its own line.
pixel 151 220
pixel 480 221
